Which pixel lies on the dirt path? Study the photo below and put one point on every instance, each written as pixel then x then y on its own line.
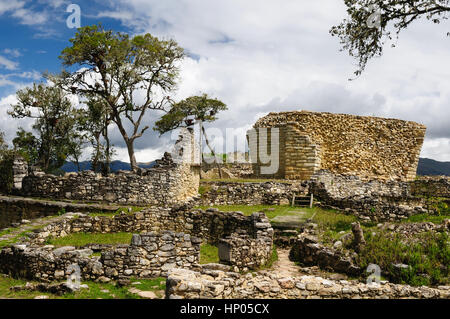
pixel 284 267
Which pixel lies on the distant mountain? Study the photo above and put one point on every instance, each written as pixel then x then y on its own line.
pixel 431 167
pixel 115 166
pixel 426 166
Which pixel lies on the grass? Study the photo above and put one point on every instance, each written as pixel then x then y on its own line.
pixel 82 239
pixel 272 260
pixel 95 291
pixel 250 209
pixel 428 257
pixel 209 254
pixel 134 209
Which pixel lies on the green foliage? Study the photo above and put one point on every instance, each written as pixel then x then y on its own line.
pixel 82 239
pixel 273 258
pixel 209 254
pixel 95 290
pixel 27 145
pixel 201 108
pixel 203 189
pixel 6 173
pixel 364 41
pixel 428 257
pixel 55 120
pixel 122 65
pixel 62 211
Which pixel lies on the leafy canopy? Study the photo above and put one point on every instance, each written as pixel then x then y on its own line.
pixel 373 23
pixel 202 108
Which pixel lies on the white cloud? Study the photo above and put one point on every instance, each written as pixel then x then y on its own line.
pixel 8 64
pixel 12 52
pixel 261 56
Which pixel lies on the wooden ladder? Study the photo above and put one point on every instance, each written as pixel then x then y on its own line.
pixel 302 200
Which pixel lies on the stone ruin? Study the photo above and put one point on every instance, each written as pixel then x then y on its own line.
pixel 174 179
pixel 163 239
pixel 305 142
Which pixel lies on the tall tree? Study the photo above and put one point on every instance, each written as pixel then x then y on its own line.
pixel 3 145
pixel 130 74
pixel 96 122
pixel 372 23
pixel 201 108
pixel 26 144
pixel 53 113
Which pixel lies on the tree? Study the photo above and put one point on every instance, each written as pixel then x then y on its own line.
pixel 3 145
pixel 26 144
pixel 96 122
pixel 54 122
pixel 115 68
pixel 372 23
pixel 201 108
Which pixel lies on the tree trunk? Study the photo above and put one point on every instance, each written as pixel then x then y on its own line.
pixel 212 152
pixel 130 147
pixel 108 159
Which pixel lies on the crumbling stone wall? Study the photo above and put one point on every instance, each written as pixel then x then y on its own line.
pixel 309 252
pixel 15 209
pixel 148 255
pixel 175 178
pixel 371 200
pixel 436 186
pixel 218 284
pixel 250 193
pixel 169 238
pixel 163 185
pixel 369 147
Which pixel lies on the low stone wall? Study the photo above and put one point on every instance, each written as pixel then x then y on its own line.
pixel 156 186
pixel 149 255
pixel 369 200
pixel 169 238
pixel 250 193
pixel 188 284
pixel 174 179
pixel 210 225
pixel 15 209
pixel 438 186
pixel 307 251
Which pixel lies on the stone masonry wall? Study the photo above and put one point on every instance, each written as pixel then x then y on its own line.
pixel 156 186
pixel 15 209
pixel 217 284
pixel 369 147
pixel 438 186
pixel 148 255
pixel 174 178
pixel 169 238
pixel 250 193
pixel 372 200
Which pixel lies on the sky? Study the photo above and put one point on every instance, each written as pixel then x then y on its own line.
pixel 255 56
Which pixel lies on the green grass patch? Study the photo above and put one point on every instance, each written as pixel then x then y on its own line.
pixel 82 239
pixel 271 211
pixel 209 254
pixel 428 257
pixel 134 209
pixel 95 291
pixel 272 260
pixel 203 189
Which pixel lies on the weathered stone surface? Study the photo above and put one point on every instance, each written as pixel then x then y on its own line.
pixel 369 147
pixel 197 284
